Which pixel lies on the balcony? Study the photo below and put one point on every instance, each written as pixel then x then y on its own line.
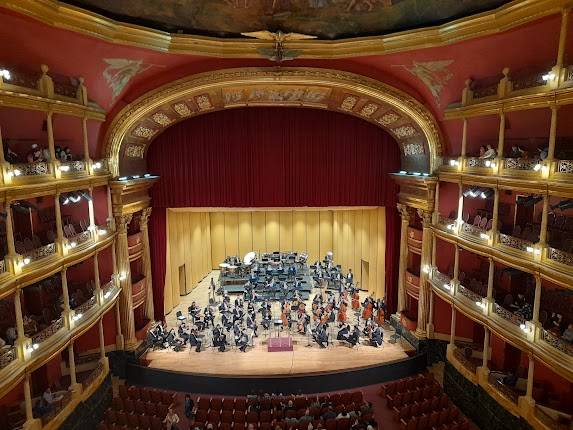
pixel 446 224
pixel 38 254
pixel 442 281
pixel 511 317
pixel 521 167
pixel 524 246
pixel 134 246
pixel 496 382
pixel 464 354
pixel 48 332
pixel 58 407
pixel 472 296
pixel 478 165
pixel 100 167
pixel 31 172
pixel 556 342
pixel 73 169
pixel 475 232
pixel 551 419
pixel 415 240
pixel 79 240
pixel 7 355
pixel 563 258
pixel 93 376
pixel 138 292
pixel 85 307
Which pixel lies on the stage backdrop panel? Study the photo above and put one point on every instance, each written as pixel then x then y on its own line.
pixel 356 236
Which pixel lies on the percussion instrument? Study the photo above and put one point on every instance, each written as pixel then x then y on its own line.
pixel 224 267
pixel 249 257
pixel 233 269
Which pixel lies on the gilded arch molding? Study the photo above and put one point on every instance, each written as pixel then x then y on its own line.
pixel 407 120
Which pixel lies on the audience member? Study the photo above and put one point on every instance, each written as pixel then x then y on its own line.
pixel 171 420
pixel 567 335
pixel 188 405
pixel 489 153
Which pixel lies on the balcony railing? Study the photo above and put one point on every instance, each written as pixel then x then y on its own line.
pixel 72 167
pixel 2 266
pixel 100 166
pixel 79 239
pixel 464 291
pixel 474 231
pixel 441 280
pixel 515 242
pixel 86 306
pixel 57 407
pixel 508 315
pixel 559 256
pixel 557 342
pixel 108 288
pixel 31 169
pixel 446 223
pixel 526 164
pixel 469 364
pixel 94 374
pixel 551 422
pixel 7 356
pixel 503 389
pixel 49 331
pixel 473 162
pixel 565 166
pixel 41 252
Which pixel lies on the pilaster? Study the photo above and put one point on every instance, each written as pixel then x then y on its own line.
pixel 126 298
pixel 424 296
pixel 149 311
pixel 405 216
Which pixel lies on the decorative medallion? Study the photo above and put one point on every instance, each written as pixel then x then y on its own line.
pixel 368 110
pixel 404 131
pixel 232 97
pixel 348 103
pixel 144 132
pixel 434 74
pixel 161 119
pixel 182 109
pixel 135 151
pixel 413 149
pixel 204 102
pixel 388 118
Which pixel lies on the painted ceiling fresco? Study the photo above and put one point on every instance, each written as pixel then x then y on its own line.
pixel 326 19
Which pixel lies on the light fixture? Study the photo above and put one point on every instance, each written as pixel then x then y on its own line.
pixel 425 174
pixel 484 236
pixel 537 251
pixel 86 196
pixel 537 167
pixel 106 295
pixel 529 249
pixel 64 168
pixel 122 277
pixel 17 172
pixel 453 162
pixel 77 317
pixel 147 175
pixel 73 244
pixel 102 231
pixel 5 74
pixel 35 346
pixel 447 287
pixel 416 173
pixel 26 260
pixel 122 178
pixel 549 76
pixel 426 268
pixel 493 165
pixel 450 226
pixel 97 165
pixel 135 176
pixel 487 163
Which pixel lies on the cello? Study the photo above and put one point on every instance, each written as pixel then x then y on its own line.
pixel 367 313
pixel 355 300
pixel 342 313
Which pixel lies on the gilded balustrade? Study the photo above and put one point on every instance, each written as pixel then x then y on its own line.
pixel 86 306
pixel 7 356
pixel 94 374
pixel 40 253
pixel 466 292
pixel 2 266
pixel 442 280
pixel 515 242
pixel 79 239
pixel 459 354
pixel 40 168
pixel 512 317
pixel 474 231
pixel 57 407
pixel 503 389
pixel 556 342
pixel 49 331
pixel 559 256
pixel 73 168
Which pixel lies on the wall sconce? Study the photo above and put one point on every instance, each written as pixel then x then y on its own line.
pixel 106 295
pixel 97 165
pixel 64 168
pixel 537 167
pixel 484 236
pixel 549 76
pixel 5 74
pixel 122 178
pixel 72 245
pixel 447 287
pixel 25 261
pixel 102 232
pixel 122 276
pixel 33 347
pixel 450 226
pixel 16 172
pixel 426 269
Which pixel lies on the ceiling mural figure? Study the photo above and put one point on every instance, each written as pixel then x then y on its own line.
pixel 326 19
pixel 119 71
pixel 434 74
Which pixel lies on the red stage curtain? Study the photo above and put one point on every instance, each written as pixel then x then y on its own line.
pixel 272 157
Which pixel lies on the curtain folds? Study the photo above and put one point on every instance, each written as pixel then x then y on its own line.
pixel 272 157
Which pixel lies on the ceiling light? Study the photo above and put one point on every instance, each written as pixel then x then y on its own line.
pixel 549 76
pixel 5 74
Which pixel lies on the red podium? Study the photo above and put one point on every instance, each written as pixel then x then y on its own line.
pixel 279 344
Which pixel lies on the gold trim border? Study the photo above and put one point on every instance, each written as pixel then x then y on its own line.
pixel 60 15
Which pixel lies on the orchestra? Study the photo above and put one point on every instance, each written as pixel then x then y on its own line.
pixel 241 318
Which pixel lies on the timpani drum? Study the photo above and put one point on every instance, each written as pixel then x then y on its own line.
pixel 224 267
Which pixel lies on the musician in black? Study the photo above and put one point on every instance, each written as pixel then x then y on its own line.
pixel 208 317
pixel 343 333
pixel 227 323
pixel 242 340
pixel 320 335
pixel 252 324
pixel 376 336
pixel 194 340
pixel 355 336
pixel 219 338
pixel 182 331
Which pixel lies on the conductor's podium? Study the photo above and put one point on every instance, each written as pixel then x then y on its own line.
pixel 279 344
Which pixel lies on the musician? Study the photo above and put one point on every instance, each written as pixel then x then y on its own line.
pixel 219 338
pixel 194 340
pixel 343 333
pixel 227 323
pixel 266 318
pixel 376 336
pixel 237 314
pixel 350 277
pixel 242 340
pixel 182 331
pixel 208 317
pixel 224 307
pixel 354 338
pixel 252 324
pixel 320 335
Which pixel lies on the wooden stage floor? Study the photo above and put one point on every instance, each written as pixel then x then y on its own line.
pixel 257 361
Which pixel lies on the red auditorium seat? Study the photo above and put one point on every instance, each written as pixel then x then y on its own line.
pixel 228 404
pixel 145 395
pixel 227 416
pixel 225 426
pixel 156 423
pixel 434 417
pixel 330 424
pixel 128 405
pixel 266 426
pixel 411 424
pixel 123 392
pixel 167 398
pixel 240 404
pixel 216 403
pixel 454 413
pixel 427 393
pixel 252 417
pixel 444 417
pixel 102 426
pixel 423 422
pixel 239 417
pixel 132 421
pixel 444 401
pixel 203 403
pixel 150 408
pixel 201 416
pixel 214 416
pixel 281 424
pixel 121 418
pixel 265 417
pixel 314 412
pixel 343 424
pixel 300 402
pixel 155 396
pixel 436 389
pixel 110 416
pixel 266 404
pixel 161 410
pixel 144 421
pixel 435 404
pixel 402 413
pixel 139 406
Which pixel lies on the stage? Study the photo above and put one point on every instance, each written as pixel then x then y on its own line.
pixel 304 360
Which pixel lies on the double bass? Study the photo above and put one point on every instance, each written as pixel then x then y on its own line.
pixel 355 300
pixel 367 312
pixel 342 313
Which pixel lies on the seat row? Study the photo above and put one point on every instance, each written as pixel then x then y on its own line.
pixel 139 406
pixel 330 424
pixel 417 408
pixel 266 403
pixel 408 384
pixel 133 421
pixel 437 420
pixel 416 395
pixel 146 394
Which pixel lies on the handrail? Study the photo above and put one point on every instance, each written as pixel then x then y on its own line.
pixel 52 329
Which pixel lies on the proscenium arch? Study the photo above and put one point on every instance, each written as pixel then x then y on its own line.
pixel 409 121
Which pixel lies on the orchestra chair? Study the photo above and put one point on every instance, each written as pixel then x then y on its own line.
pixel 252 417
pixel 180 317
pixel 214 416
pixel 411 424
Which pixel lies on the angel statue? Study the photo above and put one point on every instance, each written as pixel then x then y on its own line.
pixel 278 53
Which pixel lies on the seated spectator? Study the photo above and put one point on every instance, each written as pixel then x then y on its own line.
pixel 567 335
pixel 329 414
pixel 35 155
pixel 306 417
pixel 10 156
pixel 489 153
pixel 49 398
pixel 516 152
pixel 510 379
pixel 342 415
pixel 171 420
pixel 11 335
pixel 481 151
pixel 543 152
pixel 188 405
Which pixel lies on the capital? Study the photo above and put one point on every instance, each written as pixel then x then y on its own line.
pixel 143 220
pixel 426 216
pixel 404 211
pixel 122 221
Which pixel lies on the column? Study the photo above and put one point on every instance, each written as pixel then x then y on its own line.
pixel 125 298
pixel 561 47
pixel 424 297
pixel 456 265
pixel 460 207
pixel 464 138
pixel 536 300
pixel 67 314
pixel 434 250
pixel 530 372
pixel 21 340
pixel 50 130
pixel 430 328
pixel 543 228
pixel 405 216
pixel 12 259
pixel 495 222
pixel 97 291
pixel 31 422
pixel 483 371
pixel 501 142
pixel 490 280
pixel 119 337
pixel 149 312
pixel 74 386
pixel 59 228
pixel 91 213
pixel 110 210
pixel 436 214
pixel 101 339
pixel 85 140
pixel 552 135
pixel 453 329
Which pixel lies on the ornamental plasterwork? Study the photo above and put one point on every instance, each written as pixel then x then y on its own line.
pixel 144 132
pixel 204 102
pixel 135 151
pixel 182 109
pixel 161 119
pixel 277 94
pixel 404 131
pixel 411 149
pixel 348 103
pixel 434 74
pixel 368 109
pixel 388 118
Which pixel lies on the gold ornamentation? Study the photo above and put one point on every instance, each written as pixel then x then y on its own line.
pixel 120 71
pixel 348 103
pixel 144 132
pixel 182 109
pixel 411 149
pixel 135 151
pixel 161 119
pixel 404 131
pixel 434 74
pixel 388 118
pixel 368 109
pixel 204 102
